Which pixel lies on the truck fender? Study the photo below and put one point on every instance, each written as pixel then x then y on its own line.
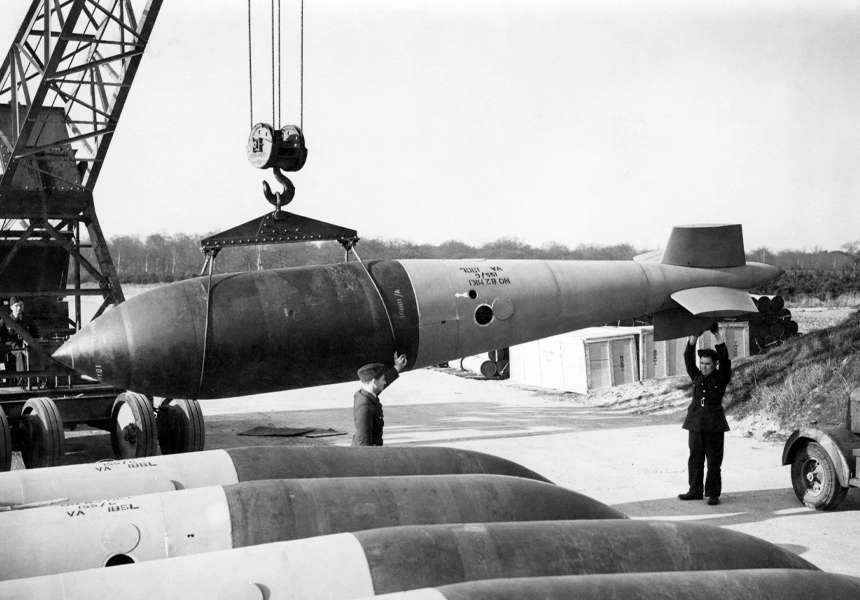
pixel 838 442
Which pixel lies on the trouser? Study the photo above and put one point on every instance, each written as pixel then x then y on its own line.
pixel 14 360
pixel 706 445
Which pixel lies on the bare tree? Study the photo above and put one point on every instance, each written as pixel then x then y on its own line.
pixel 852 251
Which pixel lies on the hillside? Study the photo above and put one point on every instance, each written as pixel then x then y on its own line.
pixel 805 381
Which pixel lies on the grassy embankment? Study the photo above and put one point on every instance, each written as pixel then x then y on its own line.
pixel 803 382
pixel 807 301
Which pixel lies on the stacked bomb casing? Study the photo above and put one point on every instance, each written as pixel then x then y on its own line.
pixel 479 364
pixel 132 477
pixel 141 528
pixel 772 325
pixel 494 363
pixel 502 358
pixel 438 530
pixel 762 584
pixel 380 561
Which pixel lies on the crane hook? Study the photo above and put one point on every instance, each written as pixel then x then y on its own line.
pixel 279 199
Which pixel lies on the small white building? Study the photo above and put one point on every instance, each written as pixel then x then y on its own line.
pixel 601 357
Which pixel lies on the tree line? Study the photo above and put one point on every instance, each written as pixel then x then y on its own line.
pixel 821 274
pixel 162 258
pixel 817 259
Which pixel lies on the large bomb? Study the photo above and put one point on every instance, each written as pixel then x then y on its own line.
pixel 141 528
pixel 132 477
pixel 762 584
pixel 264 331
pixel 380 561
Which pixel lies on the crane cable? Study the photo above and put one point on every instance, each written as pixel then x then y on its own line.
pixel 302 71
pixel 274 72
pixel 280 106
pixel 210 262
pixel 379 293
pixel 250 69
pixel 277 103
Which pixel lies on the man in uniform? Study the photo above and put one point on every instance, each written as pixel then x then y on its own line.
pixel 367 409
pixel 15 352
pixel 706 419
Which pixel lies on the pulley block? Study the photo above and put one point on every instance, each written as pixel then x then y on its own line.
pixel 282 148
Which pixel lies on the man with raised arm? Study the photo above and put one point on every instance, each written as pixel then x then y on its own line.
pixel 706 418
pixel 367 409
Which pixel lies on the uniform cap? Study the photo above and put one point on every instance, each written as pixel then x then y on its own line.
pixel 371 371
pixel 14 300
pixel 709 353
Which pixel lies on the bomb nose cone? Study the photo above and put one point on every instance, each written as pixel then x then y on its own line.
pixel 148 343
pixel 66 353
pixel 99 350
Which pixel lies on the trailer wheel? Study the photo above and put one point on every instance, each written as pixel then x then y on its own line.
pixel 180 426
pixel 132 426
pixel 5 443
pixel 42 433
pixel 814 479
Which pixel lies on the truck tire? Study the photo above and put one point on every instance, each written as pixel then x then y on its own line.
pixel 180 426
pixel 5 443
pixel 132 426
pixel 813 477
pixel 43 434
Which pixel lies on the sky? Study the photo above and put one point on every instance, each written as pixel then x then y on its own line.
pixel 568 121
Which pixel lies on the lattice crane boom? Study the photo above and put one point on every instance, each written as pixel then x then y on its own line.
pixel 73 62
pixel 63 85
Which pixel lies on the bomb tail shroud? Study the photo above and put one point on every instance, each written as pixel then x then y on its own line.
pixel 266 331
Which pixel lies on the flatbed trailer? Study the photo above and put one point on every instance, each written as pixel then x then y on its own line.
pixel 33 422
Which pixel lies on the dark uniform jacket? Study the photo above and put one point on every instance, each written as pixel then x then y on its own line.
pixel 11 337
pixel 706 408
pixel 367 414
pixel 12 354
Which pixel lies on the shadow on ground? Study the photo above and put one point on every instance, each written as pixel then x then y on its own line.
pixel 735 508
pixel 88 446
pixel 404 424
